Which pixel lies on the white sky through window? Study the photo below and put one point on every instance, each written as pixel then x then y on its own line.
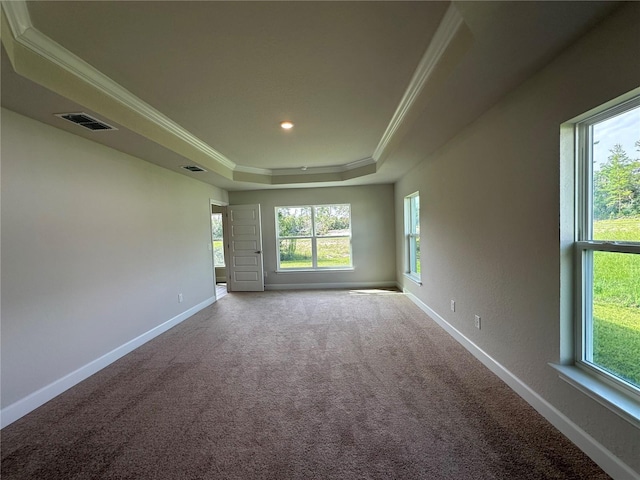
pixel 623 129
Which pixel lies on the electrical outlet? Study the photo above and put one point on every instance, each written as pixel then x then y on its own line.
pixel 179 298
pixel 453 305
pixel 477 321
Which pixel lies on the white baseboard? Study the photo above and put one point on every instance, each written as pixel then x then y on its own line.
pixel 323 286
pixel 611 464
pixel 32 401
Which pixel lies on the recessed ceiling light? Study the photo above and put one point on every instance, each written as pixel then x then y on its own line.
pixel 287 125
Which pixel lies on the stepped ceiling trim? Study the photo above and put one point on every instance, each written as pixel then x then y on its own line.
pixel 445 33
pixel 306 171
pixel 26 35
pixel 17 16
pixel 31 38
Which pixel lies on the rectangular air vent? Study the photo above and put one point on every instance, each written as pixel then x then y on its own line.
pixel 193 168
pixel 86 121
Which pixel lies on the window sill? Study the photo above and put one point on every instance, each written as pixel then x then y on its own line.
pixel 619 402
pixel 315 270
pixel 413 278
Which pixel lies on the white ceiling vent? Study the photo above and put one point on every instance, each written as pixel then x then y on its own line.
pixel 193 168
pixel 86 121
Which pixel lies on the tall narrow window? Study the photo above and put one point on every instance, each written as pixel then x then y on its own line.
pixel 608 245
pixel 314 237
pixel 412 234
pixel 218 242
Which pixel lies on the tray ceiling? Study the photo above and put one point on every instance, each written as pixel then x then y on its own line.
pixel 208 83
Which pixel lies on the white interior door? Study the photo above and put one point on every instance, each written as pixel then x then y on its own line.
pixel 245 270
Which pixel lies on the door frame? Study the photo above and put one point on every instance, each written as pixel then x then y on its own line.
pixel 239 236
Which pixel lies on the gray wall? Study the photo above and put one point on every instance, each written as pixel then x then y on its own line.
pixel 372 224
pixel 96 246
pixel 490 208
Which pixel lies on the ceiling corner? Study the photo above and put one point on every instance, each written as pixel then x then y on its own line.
pixel 44 61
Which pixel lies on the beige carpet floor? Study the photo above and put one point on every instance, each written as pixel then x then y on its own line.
pixel 293 385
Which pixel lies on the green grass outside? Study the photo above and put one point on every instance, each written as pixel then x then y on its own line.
pixel 616 340
pixel 332 253
pixel 627 228
pixel 616 302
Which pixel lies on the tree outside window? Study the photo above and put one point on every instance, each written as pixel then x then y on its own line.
pixel 609 242
pixel 314 237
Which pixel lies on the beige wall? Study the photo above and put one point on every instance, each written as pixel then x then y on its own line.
pixel 372 223
pixel 490 221
pixel 96 246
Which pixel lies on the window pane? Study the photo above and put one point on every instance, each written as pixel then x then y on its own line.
pixel 294 221
pixel 415 214
pixel 216 233
pixel 414 254
pixel 615 328
pixel 333 220
pixel 334 252
pixel 616 177
pixel 625 228
pixel 295 253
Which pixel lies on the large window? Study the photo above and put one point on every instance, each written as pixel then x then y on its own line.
pixel 608 246
pixel 314 237
pixel 412 235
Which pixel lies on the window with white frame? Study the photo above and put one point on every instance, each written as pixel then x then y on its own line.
pixel 412 234
pixel 608 247
pixel 314 237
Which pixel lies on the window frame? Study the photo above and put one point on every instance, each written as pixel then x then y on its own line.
pixel 585 245
pixel 412 237
pixel 313 237
pixel 617 395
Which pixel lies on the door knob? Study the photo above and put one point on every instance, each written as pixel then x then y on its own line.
pixel 259 251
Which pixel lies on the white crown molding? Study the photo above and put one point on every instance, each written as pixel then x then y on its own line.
pixel 307 171
pixel 28 36
pixel 253 170
pixel 447 29
pixel 363 162
pixel 18 16
pixel 329 169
